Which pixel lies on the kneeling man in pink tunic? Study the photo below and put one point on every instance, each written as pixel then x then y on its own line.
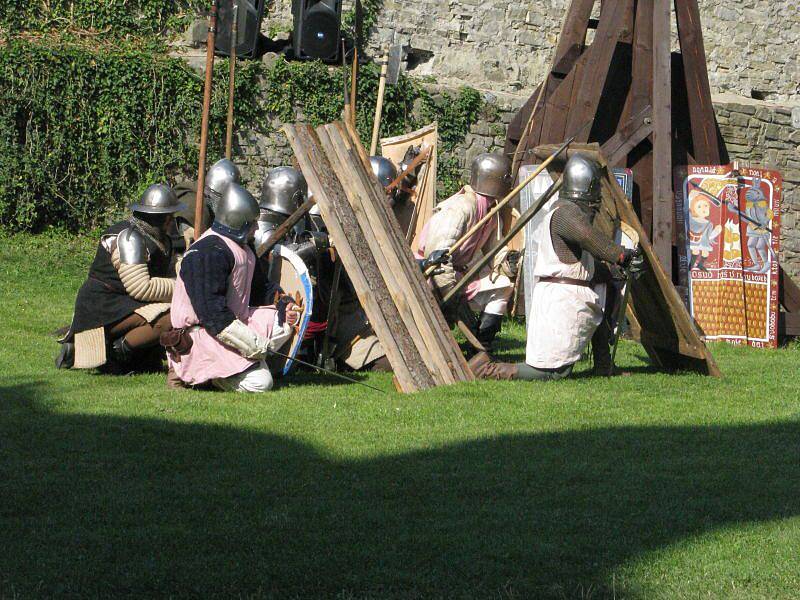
pixel 230 316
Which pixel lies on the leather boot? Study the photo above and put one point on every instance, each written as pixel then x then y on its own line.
pixel 174 382
pixel 66 356
pixel 121 350
pixel 478 362
pixel 499 371
pixel 482 366
pixel 488 327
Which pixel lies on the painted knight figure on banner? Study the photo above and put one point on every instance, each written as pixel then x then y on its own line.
pixel 729 238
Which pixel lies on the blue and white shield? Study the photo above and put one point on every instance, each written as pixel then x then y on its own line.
pixel 289 271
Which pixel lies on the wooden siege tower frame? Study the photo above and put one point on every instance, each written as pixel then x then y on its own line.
pixel 648 107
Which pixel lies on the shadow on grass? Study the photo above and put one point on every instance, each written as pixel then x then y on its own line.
pixel 106 506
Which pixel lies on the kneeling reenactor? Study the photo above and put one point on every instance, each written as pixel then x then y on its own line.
pixel 123 306
pixel 569 296
pixel 488 295
pixel 226 317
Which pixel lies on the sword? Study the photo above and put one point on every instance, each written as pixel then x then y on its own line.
pixel 718 202
pixel 327 371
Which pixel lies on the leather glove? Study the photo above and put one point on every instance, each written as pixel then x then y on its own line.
pixel 244 340
pixel 633 260
pixel 436 258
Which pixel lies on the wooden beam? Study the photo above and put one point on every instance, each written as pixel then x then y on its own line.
pixel 788 292
pixel 630 135
pixel 408 365
pixel 662 135
pixel 701 111
pixel 589 85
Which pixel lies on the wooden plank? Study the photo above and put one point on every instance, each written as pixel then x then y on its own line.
pixel 414 281
pixel 573 31
pixel 788 324
pixel 589 83
pixel 630 135
pixel 662 135
pixel 408 365
pixel 788 292
pixel 701 111
pixel 640 161
pixel 571 42
pixel 377 233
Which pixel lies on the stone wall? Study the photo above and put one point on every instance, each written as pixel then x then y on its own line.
pixel 503 45
pixel 503 48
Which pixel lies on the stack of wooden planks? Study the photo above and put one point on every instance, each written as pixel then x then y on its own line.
pixel 390 286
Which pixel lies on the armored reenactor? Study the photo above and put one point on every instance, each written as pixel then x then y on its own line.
pixel 569 296
pixel 226 317
pixel 490 180
pixel 123 306
pixel 283 191
pixel 217 179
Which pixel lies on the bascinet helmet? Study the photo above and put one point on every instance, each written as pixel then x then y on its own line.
pixel 383 169
pixel 283 191
pixel 581 180
pixel 219 176
pixel 236 213
pixel 158 199
pixel 491 175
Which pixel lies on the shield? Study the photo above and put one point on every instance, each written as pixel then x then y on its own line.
pixel 413 216
pixel 289 271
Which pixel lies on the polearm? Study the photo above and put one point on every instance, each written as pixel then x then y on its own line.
pixel 327 371
pixel 521 222
pixel 718 202
pixel 199 226
pixel 232 79
pixel 418 159
pixel 284 227
pixel 509 197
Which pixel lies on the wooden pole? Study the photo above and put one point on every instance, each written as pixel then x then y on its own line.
pixel 376 126
pixel 232 79
pixel 353 87
pixel 284 227
pixel 419 158
pixel 509 197
pixel 523 219
pixel 662 135
pixel 199 226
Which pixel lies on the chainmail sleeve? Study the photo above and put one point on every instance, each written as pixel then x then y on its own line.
pixel 572 232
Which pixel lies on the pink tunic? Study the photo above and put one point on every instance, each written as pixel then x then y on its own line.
pixel 463 256
pixel 209 359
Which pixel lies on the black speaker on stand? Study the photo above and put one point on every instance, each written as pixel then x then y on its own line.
pixel 317 29
pixel 250 15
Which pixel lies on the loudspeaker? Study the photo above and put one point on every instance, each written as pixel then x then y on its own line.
pixel 250 14
pixel 317 28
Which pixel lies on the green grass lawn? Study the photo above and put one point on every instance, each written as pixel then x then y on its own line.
pixel 649 486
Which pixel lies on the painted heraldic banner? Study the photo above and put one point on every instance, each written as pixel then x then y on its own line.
pixel 728 243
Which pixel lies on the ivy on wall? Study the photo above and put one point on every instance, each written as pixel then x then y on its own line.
pixel 87 122
pixel 113 17
pixel 84 130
